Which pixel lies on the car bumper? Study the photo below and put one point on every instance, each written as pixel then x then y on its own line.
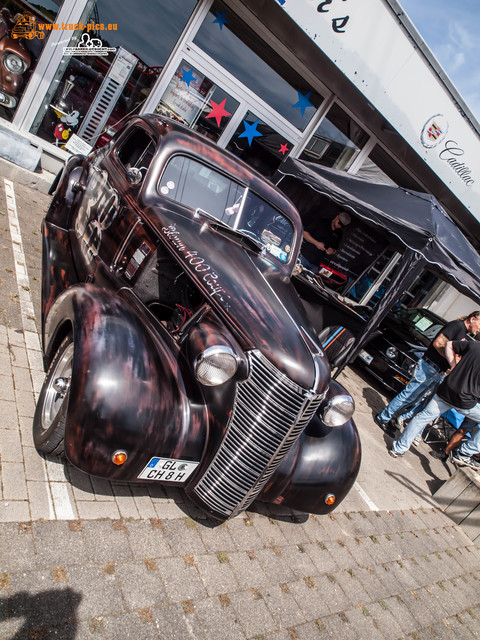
pixel 385 371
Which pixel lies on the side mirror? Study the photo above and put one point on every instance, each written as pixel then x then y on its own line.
pixel 134 176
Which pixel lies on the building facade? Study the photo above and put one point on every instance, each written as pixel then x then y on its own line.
pixel 347 85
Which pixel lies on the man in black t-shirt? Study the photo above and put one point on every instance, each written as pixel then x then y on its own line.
pixel 460 390
pixel 429 372
pixel 321 239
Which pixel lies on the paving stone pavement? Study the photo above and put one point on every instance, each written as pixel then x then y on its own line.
pixel 405 574
pixel 83 558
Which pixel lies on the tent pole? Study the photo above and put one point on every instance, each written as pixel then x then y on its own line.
pixel 350 285
pixel 408 269
pixel 380 279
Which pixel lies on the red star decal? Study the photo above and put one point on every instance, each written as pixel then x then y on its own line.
pixel 218 111
pixel 283 149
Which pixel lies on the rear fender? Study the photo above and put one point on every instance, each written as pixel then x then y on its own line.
pixel 323 461
pixel 127 392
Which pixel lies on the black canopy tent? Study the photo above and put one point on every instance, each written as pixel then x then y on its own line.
pixel 414 221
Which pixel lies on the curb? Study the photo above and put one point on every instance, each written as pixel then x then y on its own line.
pixel 40 181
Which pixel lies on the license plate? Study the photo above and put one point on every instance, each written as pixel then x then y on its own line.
pixel 168 470
pixel 366 357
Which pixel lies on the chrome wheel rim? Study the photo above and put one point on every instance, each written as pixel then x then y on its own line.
pixel 58 387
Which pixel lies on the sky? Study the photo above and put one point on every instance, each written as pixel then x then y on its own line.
pixel 451 30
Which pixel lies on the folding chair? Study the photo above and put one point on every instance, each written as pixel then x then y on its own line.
pixel 444 427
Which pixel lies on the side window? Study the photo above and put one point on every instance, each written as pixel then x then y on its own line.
pixel 137 151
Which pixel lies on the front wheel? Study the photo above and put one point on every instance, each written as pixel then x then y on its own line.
pixel 51 410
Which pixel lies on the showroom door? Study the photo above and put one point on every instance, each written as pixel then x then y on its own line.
pixel 202 95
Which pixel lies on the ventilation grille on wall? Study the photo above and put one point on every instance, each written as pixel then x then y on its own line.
pixel 107 96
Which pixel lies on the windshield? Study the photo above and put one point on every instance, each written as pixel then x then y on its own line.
pixel 423 322
pixel 198 186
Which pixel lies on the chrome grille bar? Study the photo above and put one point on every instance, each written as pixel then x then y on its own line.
pixel 269 414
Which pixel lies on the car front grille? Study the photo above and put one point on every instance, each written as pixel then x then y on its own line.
pixel 402 360
pixel 269 413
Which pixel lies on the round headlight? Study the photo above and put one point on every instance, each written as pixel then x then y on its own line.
pixel 391 353
pixel 14 63
pixel 338 410
pixel 215 365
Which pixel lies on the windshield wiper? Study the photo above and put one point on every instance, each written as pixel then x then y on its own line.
pixel 238 236
pixel 206 214
pixel 244 237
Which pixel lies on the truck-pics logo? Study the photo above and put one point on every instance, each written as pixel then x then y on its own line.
pixel 26 27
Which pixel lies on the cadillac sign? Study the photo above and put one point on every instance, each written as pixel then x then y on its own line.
pixel 433 134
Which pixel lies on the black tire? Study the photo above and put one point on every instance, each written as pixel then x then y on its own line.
pixel 52 405
pixel 54 185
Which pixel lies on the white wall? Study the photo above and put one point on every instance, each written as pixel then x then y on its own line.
pixel 373 50
pixel 451 304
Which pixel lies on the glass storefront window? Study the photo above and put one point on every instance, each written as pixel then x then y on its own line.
pixel 109 68
pixel 24 30
pixel 196 101
pixel 233 45
pixel 336 142
pixel 259 145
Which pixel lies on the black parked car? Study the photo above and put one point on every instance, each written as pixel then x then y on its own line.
pixel 391 356
pixel 179 349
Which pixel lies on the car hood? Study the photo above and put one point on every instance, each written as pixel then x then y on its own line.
pixel 254 296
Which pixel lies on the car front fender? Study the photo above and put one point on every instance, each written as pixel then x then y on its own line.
pixel 324 461
pixel 127 391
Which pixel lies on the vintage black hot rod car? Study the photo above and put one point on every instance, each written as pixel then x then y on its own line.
pixel 177 346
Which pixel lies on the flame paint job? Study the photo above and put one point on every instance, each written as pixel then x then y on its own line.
pixel 106 246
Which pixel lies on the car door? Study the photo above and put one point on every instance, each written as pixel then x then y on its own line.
pixel 109 218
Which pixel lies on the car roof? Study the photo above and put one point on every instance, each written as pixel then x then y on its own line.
pixel 180 137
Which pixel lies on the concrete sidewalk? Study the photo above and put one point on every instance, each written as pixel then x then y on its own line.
pixel 81 556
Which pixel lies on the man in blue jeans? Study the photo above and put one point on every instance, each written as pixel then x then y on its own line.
pixel 430 371
pixel 461 391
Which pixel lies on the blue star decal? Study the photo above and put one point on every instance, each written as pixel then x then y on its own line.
pixel 188 76
pixel 250 131
pixel 221 18
pixel 303 102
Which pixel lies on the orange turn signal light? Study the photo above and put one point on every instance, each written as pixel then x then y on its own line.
pixel 330 499
pixel 119 457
